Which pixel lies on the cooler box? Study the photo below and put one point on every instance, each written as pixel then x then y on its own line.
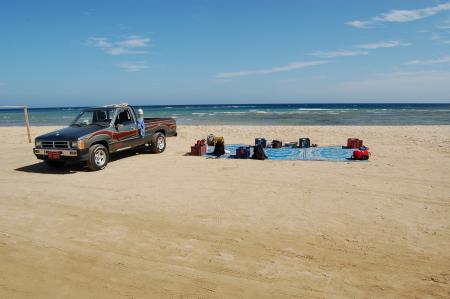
pixel 354 143
pixel 199 149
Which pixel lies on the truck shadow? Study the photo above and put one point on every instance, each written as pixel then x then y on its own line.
pixel 71 168
pixel 43 168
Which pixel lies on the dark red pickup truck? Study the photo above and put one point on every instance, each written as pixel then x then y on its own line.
pixel 98 132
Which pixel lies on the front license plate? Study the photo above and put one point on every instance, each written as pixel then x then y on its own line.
pixel 54 155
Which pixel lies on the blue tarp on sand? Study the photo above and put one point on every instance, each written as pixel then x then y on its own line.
pixel 323 153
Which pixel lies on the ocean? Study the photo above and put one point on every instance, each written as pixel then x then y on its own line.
pixel 260 114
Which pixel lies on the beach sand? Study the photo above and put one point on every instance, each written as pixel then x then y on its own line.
pixel 175 226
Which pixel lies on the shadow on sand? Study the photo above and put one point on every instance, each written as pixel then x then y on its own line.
pixel 73 167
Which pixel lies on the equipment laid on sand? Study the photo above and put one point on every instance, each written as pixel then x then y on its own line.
pixel 305 151
pixel 361 154
pixel 261 141
pixel 304 143
pixel 323 153
pixel 199 149
pixel 277 144
pixel 354 143
pixel 243 152
pixel 258 153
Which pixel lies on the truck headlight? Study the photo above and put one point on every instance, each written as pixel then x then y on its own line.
pixel 38 143
pixel 77 144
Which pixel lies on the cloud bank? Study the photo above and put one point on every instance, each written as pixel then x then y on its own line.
pixel 278 69
pixel 440 60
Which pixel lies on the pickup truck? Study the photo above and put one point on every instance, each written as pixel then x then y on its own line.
pixel 96 133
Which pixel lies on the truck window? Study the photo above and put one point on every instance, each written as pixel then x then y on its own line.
pixel 124 117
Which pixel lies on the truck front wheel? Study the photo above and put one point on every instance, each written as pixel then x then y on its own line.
pixel 98 157
pixel 158 143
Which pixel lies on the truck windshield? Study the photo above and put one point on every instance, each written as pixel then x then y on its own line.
pixel 100 117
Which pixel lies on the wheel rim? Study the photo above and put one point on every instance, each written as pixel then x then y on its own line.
pixel 100 157
pixel 160 142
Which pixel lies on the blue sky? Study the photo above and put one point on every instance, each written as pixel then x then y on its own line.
pixel 76 53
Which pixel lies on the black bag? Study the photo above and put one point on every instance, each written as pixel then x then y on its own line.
pixel 219 148
pixel 304 143
pixel 258 153
pixel 277 144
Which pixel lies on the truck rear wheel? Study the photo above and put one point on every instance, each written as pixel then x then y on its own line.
pixel 158 143
pixel 98 157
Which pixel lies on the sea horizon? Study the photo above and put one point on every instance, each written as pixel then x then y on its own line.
pixel 259 114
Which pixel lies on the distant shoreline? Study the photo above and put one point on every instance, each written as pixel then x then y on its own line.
pixel 246 104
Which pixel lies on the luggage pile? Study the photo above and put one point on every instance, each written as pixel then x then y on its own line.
pixel 354 150
pixel 302 143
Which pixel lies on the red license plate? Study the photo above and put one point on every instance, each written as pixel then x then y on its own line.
pixel 54 155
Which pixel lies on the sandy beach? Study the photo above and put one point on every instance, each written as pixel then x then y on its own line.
pixel 175 226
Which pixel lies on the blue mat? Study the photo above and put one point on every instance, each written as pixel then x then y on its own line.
pixel 323 153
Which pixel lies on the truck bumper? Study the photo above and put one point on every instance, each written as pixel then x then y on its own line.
pixel 75 155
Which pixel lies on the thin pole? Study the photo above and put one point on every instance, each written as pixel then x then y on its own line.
pixel 27 122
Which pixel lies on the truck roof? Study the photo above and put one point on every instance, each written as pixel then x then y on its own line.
pixel 121 105
pixel 117 105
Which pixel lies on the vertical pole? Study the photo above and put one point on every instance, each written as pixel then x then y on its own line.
pixel 27 122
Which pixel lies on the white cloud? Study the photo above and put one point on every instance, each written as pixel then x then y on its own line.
pixel 339 53
pixel 289 67
pixel 135 42
pixel 131 45
pixel 401 16
pixel 387 44
pixel 99 42
pixel 360 24
pixel 440 60
pixel 122 51
pixel 135 66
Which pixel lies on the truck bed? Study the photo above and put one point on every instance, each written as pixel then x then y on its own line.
pixel 167 124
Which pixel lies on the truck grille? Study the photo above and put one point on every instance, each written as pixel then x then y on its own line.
pixel 55 144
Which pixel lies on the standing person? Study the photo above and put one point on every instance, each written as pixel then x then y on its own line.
pixel 140 122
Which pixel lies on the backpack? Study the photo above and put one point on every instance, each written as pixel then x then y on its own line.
pixel 258 153
pixel 219 148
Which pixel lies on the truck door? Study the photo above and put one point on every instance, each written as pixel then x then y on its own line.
pixel 126 129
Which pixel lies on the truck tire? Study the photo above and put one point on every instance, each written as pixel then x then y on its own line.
pixel 158 143
pixel 53 163
pixel 98 157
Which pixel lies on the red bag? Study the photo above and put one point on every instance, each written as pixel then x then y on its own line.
pixel 361 155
